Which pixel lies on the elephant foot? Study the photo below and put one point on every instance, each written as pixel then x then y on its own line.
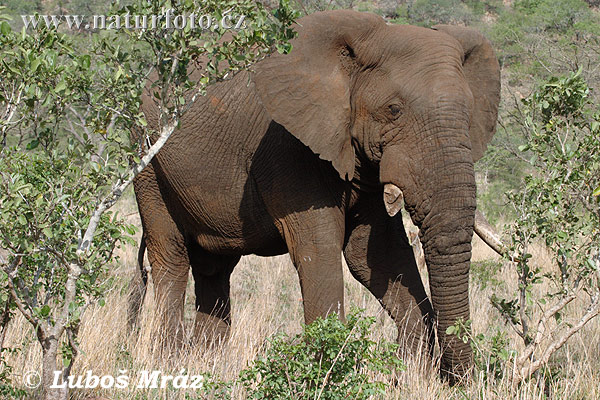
pixel 454 377
pixel 457 372
pixel 210 331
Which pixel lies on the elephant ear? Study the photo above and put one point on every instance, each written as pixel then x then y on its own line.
pixel 482 72
pixel 308 90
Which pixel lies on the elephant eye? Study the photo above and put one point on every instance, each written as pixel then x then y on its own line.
pixel 395 109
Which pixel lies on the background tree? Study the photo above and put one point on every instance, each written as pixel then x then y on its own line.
pixel 556 206
pixel 56 187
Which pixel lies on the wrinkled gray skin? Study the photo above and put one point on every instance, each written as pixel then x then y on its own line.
pixel 312 157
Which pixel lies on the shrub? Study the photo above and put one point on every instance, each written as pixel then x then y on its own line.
pixel 328 360
pixel 432 12
pixel 556 205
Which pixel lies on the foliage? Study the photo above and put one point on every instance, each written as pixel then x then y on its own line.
pixel 554 16
pixel 7 388
pixel 311 6
pixel 17 7
pixel 560 128
pixel 432 12
pixel 544 38
pixel 484 273
pixel 329 360
pixel 70 144
pixel 213 388
pixel 48 188
pixel 490 353
pixel 556 206
pixel 500 170
pixel 534 40
pixel 41 210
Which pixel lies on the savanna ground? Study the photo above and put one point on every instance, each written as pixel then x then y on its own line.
pixel 266 300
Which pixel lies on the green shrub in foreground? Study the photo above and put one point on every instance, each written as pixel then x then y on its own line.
pixel 328 360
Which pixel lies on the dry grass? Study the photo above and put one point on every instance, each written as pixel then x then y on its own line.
pixel 266 299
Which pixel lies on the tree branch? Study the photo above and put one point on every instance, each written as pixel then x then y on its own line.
pixel 120 187
pixel 40 331
pixel 4 323
pixel 541 328
pixel 593 311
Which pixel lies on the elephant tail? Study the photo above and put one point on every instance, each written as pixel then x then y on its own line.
pixel 138 287
pixel 140 260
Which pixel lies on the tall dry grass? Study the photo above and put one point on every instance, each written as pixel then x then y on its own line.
pixel 266 299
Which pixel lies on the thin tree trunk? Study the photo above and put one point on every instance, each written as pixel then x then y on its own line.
pixel 49 365
pixel 4 323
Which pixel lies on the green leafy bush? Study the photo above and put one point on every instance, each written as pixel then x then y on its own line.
pixel 328 360
pixel 555 206
pixel 543 34
pixel 490 352
pixel 432 12
pixel 7 388
pixel 554 15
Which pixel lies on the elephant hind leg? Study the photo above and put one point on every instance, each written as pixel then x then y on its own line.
pixel 168 257
pixel 213 309
pixel 170 268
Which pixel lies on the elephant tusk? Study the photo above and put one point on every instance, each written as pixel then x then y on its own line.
pixel 393 199
pixel 488 234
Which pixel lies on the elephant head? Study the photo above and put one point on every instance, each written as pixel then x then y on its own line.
pixel 418 105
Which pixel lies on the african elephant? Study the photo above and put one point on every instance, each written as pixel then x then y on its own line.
pixel 312 154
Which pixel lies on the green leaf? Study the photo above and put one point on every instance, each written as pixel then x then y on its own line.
pixel 596 192
pixel 45 311
pixel 5 28
pixel 48 232
pixel 35 64
pixel 119 73
pixel 524 147
pixel 33 144
pixel 60 86
pixel 86 61
pixel 130 229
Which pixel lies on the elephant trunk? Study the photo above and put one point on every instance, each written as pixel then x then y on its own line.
pixel 439 192
pixel 446 237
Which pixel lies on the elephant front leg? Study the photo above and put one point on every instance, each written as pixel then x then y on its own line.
pixel 380 257
pixel 315 243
